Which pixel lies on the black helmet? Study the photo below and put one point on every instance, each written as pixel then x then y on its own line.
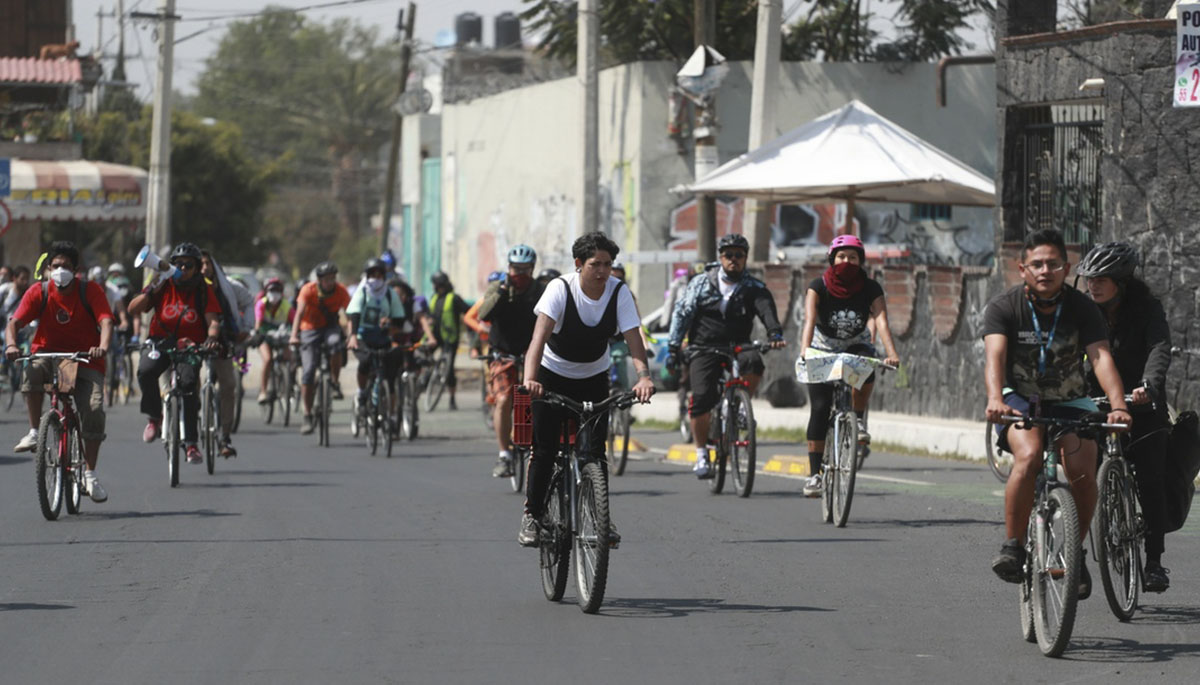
pixel 549 274
pixel 440 279
pixel 186 250
pixel 1114 260
pixel 733 240
pixel 375 263
pixel 326 268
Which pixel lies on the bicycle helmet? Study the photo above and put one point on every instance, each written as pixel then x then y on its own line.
pixel 618 266
pixel 389 258
pixel 733 240
pixel 96 274
pixel 1114 260
pixel 373 264
pixel 116 268
pixel 440 279
pixel 842 242
pixel 522 254
pixel 548 275
pixel 188 250
pixel 273 284
pixel 326 268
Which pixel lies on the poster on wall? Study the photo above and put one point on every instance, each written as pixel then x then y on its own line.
pixel 1187 55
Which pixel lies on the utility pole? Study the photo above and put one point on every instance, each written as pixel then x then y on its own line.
pixel 756 222
pixel 704 25
pixel 158 201
pixel 389 190
pixel 587 71
pixel 119 70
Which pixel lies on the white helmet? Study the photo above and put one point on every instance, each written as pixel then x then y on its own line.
pixel 116 267
pixel 96 273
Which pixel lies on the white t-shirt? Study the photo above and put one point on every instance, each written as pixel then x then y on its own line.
pixel 554 304
pixel 726 290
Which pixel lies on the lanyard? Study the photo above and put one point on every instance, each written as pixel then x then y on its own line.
pixel 1037 329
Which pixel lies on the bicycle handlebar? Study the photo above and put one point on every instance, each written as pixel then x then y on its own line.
pixel 1083 422
pixel 76 356
pixel 729 350
pixel 585 409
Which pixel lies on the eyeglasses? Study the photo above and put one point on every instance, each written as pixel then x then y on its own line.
pixel 520 270
pixel 185 264
pixel 1051 266
pixel 733 254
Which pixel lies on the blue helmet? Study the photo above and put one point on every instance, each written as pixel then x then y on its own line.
pixel 522 254
pixel 388 258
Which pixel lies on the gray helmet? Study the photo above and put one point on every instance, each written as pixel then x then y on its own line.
pixel 440 278
pixel 186 250
pixel 375 263
pixel 326 268
pixel 1114 260
pixel 733 240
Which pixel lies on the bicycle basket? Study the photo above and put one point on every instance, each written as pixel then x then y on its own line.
pixel 522 418
pixel 68 373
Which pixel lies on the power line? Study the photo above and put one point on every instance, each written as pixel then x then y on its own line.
pixel 279 10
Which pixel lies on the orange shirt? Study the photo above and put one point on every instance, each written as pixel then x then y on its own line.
pixel 314 318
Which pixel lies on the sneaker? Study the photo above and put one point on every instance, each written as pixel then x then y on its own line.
pixel 864 436
pixel 1155 577
pixel 263 398
pixel 151 431
pixel 1009 565
pixel 453 404
pixel 702 469
pixel 614 538
pixel 1085 578
pixel 28 442
pixel 528 535
pixel 814 486
pixel 336 389
pixel 227 449
pixel 193 455
pixel 503 468
pixel 309 425
pixel 93 487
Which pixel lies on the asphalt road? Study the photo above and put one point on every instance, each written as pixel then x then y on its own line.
pixel 306 565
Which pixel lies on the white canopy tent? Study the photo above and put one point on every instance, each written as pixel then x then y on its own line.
pixel 850 155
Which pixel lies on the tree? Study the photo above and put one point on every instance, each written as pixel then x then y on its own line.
pixel 1079 13
pixel 832 31
pixel 929 29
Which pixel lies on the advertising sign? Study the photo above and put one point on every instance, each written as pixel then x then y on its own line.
pixel 5 176
pixel 1187 55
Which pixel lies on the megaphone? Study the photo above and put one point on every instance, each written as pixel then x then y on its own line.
pixel 146 258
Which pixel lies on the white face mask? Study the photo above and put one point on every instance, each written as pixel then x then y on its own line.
pixel 274 297
pixel 375 284
pixel 62 277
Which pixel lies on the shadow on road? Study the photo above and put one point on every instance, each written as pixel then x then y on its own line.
pixel 1167 615
pixel 254 485
pixel 284 472
pixel 5 461
pixel 639 493
pixel 924 523
pixel 678 608
pixel 798 541
pixel 32 606
pixel 1117 651
pixel 114 515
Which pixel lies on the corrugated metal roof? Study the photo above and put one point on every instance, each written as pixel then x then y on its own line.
pixel 43 71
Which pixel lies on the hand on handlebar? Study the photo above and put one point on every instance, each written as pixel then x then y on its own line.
pixel 644 388
pixel 892 360
pixel 212 344
pixel 535 389
pixel 352 343
pixel 778 343
pixel 1120 416
pixel 997 410
pixel 97 352
pixel 1140 396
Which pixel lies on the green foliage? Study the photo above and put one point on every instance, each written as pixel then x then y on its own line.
pixel 929 29
pixel 832 31
pixel 1079 13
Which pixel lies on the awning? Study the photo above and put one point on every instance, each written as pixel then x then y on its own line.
pixel 30 71
pixel 76 191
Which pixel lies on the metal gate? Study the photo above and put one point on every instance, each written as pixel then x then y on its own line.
pixel 1061 147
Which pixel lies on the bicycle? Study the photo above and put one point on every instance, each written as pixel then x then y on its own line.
pixel 59 459
pixel 620 420
pixel 576 509
pixel 241 366
pixel 374 415
pixel 281 379
pixel 1049 589
pixel 323 401
pixel 210 417
pixel 520 453
pixel 999 461
pixel 435 379
pixel 732 430
pixel 173 420
pixel 488 403
pixel 408 391
pixel 14 372
pixel 842 456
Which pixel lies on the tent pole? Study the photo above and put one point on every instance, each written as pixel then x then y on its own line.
pixel 848 229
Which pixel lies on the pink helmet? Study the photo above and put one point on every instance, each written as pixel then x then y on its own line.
pixel 847 241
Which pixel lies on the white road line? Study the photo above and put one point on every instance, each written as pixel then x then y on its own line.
pixel 890 479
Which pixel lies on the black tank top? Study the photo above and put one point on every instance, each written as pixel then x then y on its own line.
pixel 576 342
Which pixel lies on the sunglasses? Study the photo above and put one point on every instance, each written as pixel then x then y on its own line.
pixel 733 254
pixel 186 264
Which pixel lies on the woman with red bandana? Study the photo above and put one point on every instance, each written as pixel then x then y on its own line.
pixel 837 309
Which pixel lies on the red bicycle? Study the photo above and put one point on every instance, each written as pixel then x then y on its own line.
pixel 59 460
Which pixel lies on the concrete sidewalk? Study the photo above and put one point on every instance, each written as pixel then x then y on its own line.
pixel 919 433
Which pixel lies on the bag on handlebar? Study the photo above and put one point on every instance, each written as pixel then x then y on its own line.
pixel 68 374
pixel 1183 463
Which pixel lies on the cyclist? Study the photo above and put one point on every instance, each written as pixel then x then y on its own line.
pixel 508 306
pixel 547 275
pixel 568 354
pixel 271 311
pixel 237 320
pixel 72 316
pixel 1035 335
pixel 479 329
pixel 839 309
pixel 318 308
pixel 1141 348
pixel 10 298
pixel 186 311
pixel 374 311
pixel 447 310
pixel 719 308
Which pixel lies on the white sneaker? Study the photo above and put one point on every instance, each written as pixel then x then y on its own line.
pixel 814 486
pixel 864 437
pixel 702 467
pixel 94 488
pixel 27 443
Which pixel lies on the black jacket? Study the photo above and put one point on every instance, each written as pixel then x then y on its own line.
pixel 1141 346
pixel 698 314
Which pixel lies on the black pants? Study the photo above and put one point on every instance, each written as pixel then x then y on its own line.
pixel 148 373
pixel 548 427
pixel 1148 452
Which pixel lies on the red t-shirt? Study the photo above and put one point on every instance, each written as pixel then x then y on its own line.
pixel 63 324
pixel 175 314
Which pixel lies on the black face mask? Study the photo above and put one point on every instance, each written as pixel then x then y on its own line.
pixel 1042 301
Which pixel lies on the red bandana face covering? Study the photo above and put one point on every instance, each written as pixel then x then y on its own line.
pixel 844 279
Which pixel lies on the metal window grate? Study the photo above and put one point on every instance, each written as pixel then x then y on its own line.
pixel 1061 146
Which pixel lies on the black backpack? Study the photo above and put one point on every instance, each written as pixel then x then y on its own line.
pixel 1182 465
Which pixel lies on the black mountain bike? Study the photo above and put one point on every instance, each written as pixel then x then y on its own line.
pixel 373 416
pixel 435 378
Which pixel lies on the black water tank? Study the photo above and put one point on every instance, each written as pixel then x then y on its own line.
pixel 508 31
pixel 468 28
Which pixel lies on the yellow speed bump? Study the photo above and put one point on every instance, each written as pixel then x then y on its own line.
pixel 787 465
pixel 635 445
pixel 682 453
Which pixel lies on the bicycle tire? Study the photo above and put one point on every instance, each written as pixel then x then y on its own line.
pixel 827 470
pixel 520 459
pixel 372 416
pixel 719 449
pixel 208 426
pixel 999 461
pixel 49 471
pixel 1114 530
pixel 437 383
pixel 1025 605
pixel 268 409
pixel 322 415
pixel 356 413
pixel 14 384
pixel 127 377
pixel 239 394
pixel 410 422
pixel 845 466
pixel 591 540
pixel 72 471
pixel 618 427
pixel 1056 553
pixel 384 418
pixel 554 543
pixel 288 397
pixel 740 424
pixel 172 439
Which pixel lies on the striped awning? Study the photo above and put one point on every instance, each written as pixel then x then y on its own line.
pixel 27 70
pixel 76 191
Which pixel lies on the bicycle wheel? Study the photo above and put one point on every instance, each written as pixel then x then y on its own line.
pixel 357 424
pixel 719 449
pixel 1055 572
pixel 1114 530
pixel 410 422
pixel 383 417
pixel 127 377
pixel 72 471
pixel 171 438
pixel 1001 462
pixel 828 461
pixel 371 416
pixel 239 394
pixel 1025 601
pixel 555 542
pixel 845 441
pixel 49 468
pixel 208 426
pixel 520 459
pixel 618 439
pixel 591 540
pixel 14 383
pixel 437 383
pixel 739 425
pixel 325 393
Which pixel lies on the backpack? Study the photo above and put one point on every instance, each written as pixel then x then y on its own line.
pixel 82 298
pixel 1182 465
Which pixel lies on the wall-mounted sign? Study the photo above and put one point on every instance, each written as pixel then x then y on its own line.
pixel 1187 55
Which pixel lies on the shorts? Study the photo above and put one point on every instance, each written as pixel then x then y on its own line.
pixel 310 342
pixel 1071 409
pixel 391 361
pixel 504 374
pixel 89 394
pixel 704 376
